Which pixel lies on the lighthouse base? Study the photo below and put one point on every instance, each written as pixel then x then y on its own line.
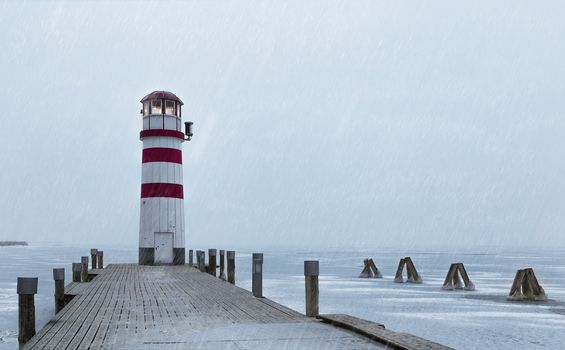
pixel 147 256
pixel 178 256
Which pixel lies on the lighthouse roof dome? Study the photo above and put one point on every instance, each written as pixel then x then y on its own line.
pixel 161 95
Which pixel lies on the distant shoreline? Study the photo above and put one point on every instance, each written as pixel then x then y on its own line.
pixel 12 243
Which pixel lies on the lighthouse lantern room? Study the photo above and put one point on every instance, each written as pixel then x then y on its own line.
pixel 161 225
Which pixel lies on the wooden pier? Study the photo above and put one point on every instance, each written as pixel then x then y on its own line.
pixel 129 306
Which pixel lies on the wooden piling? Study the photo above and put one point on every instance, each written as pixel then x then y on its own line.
pixel 448 282
pixel 93 256
pixel 457 281
pixel 84 269
pixel 26 288
pixel 457 278
pixel 370 270
pixel 534 284
pixel 190 257
pixel 526 287
pixel 77 270
pixel 222 266
pixel 200 262
pixel 411 272
pixel 413 276
pixel 311 273
pixel 100 259
pixel 212 262
pixel 374 269
pixel 59 278
pixel 366 273
pixel 202 266
pixel 516 289
pixel 257 275
pixel 231 266
pixel 203 260
pixel 398 277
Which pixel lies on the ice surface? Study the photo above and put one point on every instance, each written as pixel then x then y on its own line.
pixel 461 319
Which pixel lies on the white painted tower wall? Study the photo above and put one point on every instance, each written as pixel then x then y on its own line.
pixel 162 193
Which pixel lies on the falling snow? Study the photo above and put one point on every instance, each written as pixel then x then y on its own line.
pixel 366 125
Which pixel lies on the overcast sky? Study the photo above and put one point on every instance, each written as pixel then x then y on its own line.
pixel 436 123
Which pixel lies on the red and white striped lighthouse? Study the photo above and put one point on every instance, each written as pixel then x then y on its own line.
pixel 161 225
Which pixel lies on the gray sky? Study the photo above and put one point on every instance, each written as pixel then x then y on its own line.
pixel 437 123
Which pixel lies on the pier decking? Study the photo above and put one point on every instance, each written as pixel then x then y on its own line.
pixel 143 307
pixel 129 306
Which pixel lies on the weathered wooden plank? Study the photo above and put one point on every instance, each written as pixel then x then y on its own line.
pixel 80 325
pixel 97 318
pixel 53 327
pixel 377 332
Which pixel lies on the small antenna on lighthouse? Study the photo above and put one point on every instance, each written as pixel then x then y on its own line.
pixel 188 130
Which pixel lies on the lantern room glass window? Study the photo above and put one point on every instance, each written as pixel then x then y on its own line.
pixel 156 107
pixel 146 108
pixel 170 107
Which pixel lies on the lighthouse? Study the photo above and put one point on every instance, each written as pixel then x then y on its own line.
pixel 161 224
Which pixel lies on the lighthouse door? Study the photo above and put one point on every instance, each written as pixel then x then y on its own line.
pixel 163 247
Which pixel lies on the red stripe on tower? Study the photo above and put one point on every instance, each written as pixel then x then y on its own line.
pixel 161 132
pixel 170 155
pixel 150 190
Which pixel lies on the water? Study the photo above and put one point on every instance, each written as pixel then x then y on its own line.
pixel 463 320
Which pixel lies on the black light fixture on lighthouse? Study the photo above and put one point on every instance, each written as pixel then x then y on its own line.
pixel 188 130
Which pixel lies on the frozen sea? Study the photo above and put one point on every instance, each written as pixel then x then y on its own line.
pixel 482 319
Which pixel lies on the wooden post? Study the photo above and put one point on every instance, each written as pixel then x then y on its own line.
pixel 59 278
pixel 468 284
pixel 100 259
pixel 212 262
pixel 516 290
pixel 311 273
pixel 370 270
pixel 455 273
pixel 257 275
pixel 93 255
pixel 366 273
pixel 374 269
pixel 84 269
pixel 77 270
pixel 448 282
pixel 231 266
pixel 533 281
pixel 413 276
pixel 457 282
pixel 222 272
pixel 26 288
pixel 398 277
pixel 202 261
pixel 526 287
pixel 190 257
